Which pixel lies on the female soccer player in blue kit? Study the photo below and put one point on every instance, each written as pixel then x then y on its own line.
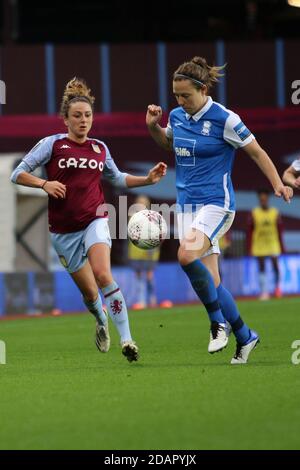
pixel 78 221
pixel 204 136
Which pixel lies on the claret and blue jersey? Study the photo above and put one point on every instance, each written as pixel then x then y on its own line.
pixel 204 146
pixel 80 167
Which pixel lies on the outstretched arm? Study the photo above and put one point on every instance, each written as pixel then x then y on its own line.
pixel 154 176
pixel 121 179
pixel 292 177
pixel 266 165
pixel 158 133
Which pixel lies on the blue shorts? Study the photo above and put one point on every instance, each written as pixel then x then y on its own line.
pixel 72 248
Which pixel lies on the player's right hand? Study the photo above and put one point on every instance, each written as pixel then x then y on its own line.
pixel 284 191
pixel 153 116
pixel 55 189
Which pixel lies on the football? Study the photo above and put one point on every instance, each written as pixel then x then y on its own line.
pixel 147 229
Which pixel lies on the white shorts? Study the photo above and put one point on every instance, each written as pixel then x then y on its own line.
pixel 213 221
pixel 72 247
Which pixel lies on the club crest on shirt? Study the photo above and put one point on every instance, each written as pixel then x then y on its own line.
pixel 96 148
pixel 206 128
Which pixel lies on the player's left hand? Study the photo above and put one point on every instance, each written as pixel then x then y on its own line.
pixel 284 191
pixel 157 172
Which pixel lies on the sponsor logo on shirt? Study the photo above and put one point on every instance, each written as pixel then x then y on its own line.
pixel 242 131
pixel 182 152
pixel 80 163
pixel 206 128
pixel 65 147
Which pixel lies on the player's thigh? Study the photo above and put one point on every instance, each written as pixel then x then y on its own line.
pixel 99 259
pixel 97 244
pixel 70 250
pixel 211 262
pixel 193 246
pixel 213 221
pixel 200 231
pixel 85 280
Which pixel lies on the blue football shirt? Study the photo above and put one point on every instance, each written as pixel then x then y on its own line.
pixel 204 146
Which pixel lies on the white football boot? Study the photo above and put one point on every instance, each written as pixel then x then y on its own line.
pixel 218 337
pixel 243 350
pixel 102 339
pixel 130 350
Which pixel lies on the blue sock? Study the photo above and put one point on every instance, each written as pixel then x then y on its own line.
pixel 230 311
pixel 203 284
pixel 96 309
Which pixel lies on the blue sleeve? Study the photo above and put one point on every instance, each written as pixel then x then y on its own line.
pixel 38 156
pixel 17 171
pixel 112 173
pixel 41 153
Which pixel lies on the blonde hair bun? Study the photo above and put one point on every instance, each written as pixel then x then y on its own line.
pixel 77 90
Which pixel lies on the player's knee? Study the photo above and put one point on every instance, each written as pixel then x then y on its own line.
pixel 216 278
pixel 103 278
pixel 90 294
pixel 185 256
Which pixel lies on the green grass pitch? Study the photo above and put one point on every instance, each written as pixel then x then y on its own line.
pixel 59 392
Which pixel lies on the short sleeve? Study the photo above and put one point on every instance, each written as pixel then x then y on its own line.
pixel 168 130
pixel 235 131
pixel 296 165
pixel 40 154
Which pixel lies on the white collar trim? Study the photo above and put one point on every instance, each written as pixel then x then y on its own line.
pixel 202 111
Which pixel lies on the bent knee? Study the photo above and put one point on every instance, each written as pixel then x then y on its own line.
pixel 90 294
pixel 103 279
pixel 185 256
pixel 216 278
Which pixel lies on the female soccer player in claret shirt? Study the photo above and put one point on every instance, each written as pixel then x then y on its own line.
pixel 79 230
pixel 204 136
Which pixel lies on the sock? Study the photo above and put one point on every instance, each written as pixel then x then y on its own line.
pixel 263 283
pixel 117 310
pixel 203 284
pixel 96 309
pixel 141 290
pixel 230 311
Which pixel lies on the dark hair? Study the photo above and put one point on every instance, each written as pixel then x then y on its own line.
pixel 263 191
pixel 198 69
pixel 76 90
